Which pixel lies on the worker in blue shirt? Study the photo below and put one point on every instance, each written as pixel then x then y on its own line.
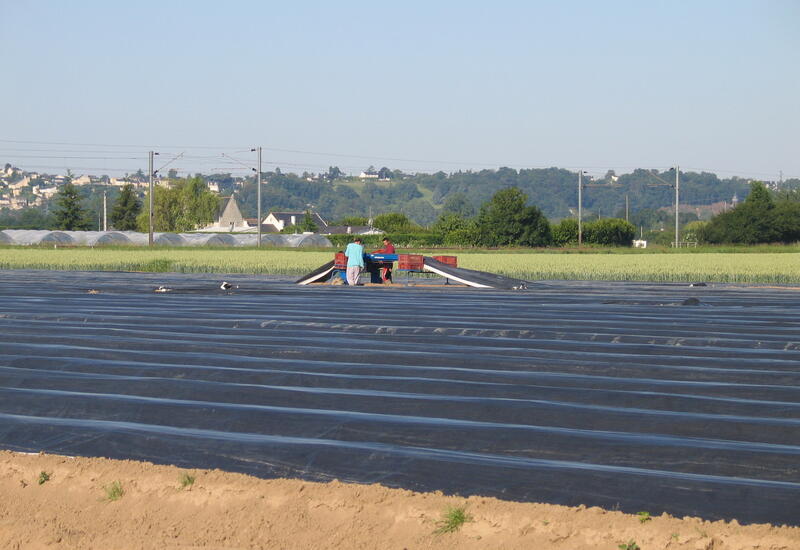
pixel 355 261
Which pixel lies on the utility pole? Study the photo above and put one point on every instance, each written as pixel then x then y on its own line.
pixel 626 207
pixel 105 211
pixel 150 211
pixel 258 194
pixel 677 186
pixel 677 204
pixel 580 207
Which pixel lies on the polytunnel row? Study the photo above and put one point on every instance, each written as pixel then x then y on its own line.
pixel 96 238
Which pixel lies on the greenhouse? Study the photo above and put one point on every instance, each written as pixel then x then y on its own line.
pixel 27 237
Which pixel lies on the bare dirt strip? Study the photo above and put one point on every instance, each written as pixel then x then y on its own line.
pixel 222 510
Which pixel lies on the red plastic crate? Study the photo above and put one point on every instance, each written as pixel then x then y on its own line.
pixel 449 260
pixel 340 260
pixel 409 262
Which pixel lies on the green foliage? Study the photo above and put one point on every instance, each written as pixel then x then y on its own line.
pixel 786 221
pixel 759 196
pixel 126 209
pixel 553 190
pixel 644 516
pixel 691 230
pixel 452 520
pixel 565 232
pixel 757 220
pixel 609 232
pixel 308 224
pixel 630 545
pixel 400 240
pixel 114 491
pixel 457 203
pixel 44 477
pixel 27 218
pixel 71 215
pixel 455 230
pixel 187 480
pixel 183 206
pixel 505 220
pixel 333 173
pixel 393 222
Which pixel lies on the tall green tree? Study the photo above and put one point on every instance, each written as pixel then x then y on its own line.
pixel 183 206
pixel 126 209
pixel 393 222
pixel 308 225
pixel 506 220
pixel 752 221
pixel 71 214
pixel 458 203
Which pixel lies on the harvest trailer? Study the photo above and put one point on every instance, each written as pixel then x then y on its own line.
pixel 444 266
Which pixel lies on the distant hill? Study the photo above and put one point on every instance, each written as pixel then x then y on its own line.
pixel 554 190
pixel 422 197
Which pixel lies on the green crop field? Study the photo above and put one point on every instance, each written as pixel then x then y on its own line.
pixel 718 267
pixel 739 268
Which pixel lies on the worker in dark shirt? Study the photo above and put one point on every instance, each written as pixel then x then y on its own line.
pixel 385 268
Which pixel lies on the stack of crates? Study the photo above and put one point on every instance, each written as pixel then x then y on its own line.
pixel 452 261
pixel 409 262
pixel 340 261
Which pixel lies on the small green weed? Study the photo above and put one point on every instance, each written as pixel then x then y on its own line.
pixel 44 477
pixel 114 491
pixel 644 517
pixel 452 520
pixel 186 480
pixel 630 545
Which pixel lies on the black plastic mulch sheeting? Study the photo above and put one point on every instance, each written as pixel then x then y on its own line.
pixel 492 280
pixel 321 274
pixel 610 394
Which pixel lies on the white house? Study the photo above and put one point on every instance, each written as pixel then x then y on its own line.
pixel 278 221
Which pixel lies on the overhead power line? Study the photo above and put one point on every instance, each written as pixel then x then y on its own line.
pixel 99 149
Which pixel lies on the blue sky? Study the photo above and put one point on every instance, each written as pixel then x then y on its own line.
pixel 415 85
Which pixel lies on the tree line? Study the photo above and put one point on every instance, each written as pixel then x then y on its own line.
pixel 184 205
pixel 763 217
pixel 505 219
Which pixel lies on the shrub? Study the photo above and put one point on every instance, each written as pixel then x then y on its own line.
pixel 400 240
pixel 114 491
pixel 186 480
pixel 452 520
pixel 565 232
pixel 393 222
pixel 609 232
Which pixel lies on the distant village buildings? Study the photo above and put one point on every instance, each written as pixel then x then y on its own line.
pixel 230 219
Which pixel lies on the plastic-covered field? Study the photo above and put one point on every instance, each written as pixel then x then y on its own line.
pixel 97 238
pixel 637 396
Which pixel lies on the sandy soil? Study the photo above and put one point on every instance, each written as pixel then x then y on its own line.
pixel 225 510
